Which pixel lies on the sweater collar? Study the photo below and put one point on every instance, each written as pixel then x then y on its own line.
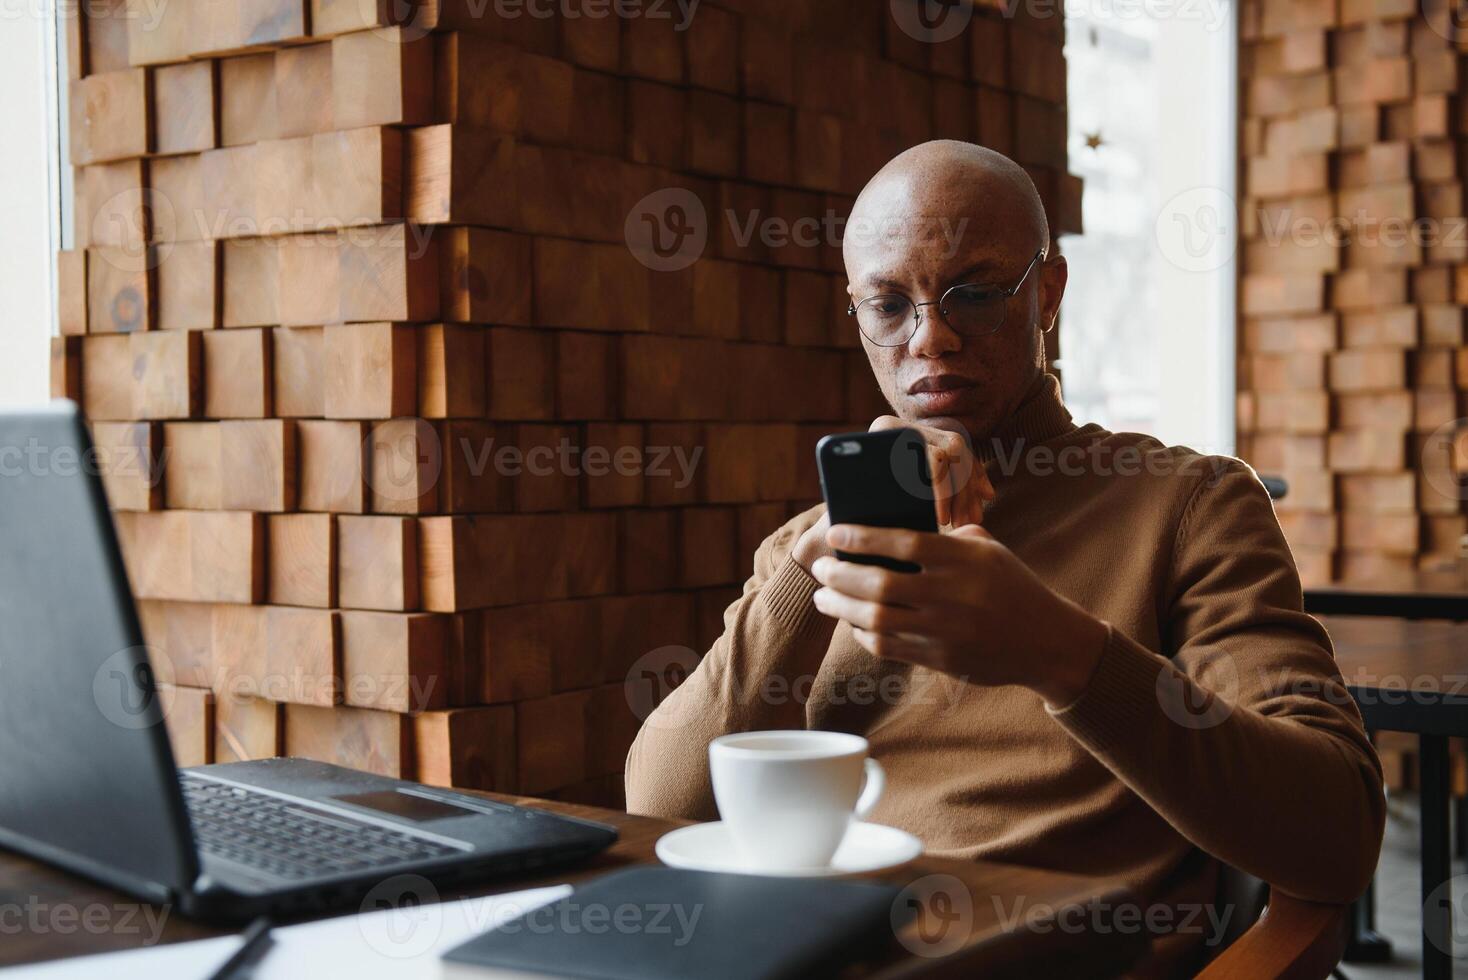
pixel 1041 416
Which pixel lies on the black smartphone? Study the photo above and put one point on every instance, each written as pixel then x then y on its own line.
pixel 879 479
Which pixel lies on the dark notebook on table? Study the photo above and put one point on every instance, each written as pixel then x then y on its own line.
pixel 656 923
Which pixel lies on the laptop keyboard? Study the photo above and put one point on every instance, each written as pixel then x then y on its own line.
pixel 289 840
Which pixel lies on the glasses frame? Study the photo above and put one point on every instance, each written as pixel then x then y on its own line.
pixel 942 303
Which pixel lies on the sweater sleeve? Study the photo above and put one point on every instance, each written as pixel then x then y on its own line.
pixel 1245 739
pixel 749 681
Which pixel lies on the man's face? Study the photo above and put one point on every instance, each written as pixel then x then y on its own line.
pixel 977 381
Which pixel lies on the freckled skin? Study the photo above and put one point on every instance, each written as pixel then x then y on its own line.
pixel 957 205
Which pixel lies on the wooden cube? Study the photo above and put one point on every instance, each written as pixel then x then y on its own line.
pixel 370 369
pixel 246 728
pixel 166 368
pixel 485 276
pixel 381 78
pixel 184 108
pixel 129 455
pixel 238 373
pixel 188 286
pixel 303 655
pixel 247 99
pixel 194 556
pixel 333 466
pixel 302 563
pixel 380 742
pixel 395 661
pixel 405 466
pixel 296 357
pixel 377 562
pixel 471 748
pixel 259 464
pixel 551 736
pixel 451 371
pixel 111 116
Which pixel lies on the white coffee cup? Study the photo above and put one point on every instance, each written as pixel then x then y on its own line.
pixel 788 797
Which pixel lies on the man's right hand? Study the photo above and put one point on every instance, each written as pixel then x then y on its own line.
pixel 960 486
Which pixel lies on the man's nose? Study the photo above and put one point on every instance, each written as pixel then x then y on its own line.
pixel 933 337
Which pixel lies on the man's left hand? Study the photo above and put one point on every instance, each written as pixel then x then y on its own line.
pixel 974 611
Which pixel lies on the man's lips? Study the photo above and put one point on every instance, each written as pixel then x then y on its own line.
pixel 934 383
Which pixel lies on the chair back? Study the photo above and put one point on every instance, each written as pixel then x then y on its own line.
pixel 1245 897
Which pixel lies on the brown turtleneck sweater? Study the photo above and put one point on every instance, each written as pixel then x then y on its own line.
pixel 1215 724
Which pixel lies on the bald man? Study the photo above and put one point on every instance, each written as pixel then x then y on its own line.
pixel 1102 666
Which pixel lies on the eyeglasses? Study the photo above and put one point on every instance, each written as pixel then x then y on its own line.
pixel 972 310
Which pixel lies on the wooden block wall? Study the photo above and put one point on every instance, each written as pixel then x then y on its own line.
pixel 326 268
pixel 1354 269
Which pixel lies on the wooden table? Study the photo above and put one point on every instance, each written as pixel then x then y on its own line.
pixel 1418 595
pixel 994 942
pixel 1410 676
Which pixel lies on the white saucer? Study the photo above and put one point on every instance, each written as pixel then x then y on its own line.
pixel 867 847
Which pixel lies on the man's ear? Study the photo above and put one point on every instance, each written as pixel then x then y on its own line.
pixel 1053 277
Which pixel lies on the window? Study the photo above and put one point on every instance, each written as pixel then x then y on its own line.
pixel 1148 319
pixel 30 208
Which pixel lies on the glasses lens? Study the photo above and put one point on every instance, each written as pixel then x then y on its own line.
pixel 886 320
pixel 974 309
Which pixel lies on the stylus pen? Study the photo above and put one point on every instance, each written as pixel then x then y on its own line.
pixel 257 941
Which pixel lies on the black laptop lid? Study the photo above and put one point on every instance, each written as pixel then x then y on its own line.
pixel 87 778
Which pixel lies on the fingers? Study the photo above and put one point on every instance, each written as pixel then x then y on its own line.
pixel 918 547
pixel 868 615
pixel 960 485
pixel 870 582
pixel 895 646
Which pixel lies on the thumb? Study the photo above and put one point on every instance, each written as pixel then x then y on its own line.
pixel 972 531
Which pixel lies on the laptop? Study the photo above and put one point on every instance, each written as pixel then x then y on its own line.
pixel 87 776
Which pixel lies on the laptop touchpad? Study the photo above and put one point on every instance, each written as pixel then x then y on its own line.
pixel 406 806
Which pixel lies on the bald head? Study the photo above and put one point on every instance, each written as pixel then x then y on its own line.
pixel 941 215
pixel 948 181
